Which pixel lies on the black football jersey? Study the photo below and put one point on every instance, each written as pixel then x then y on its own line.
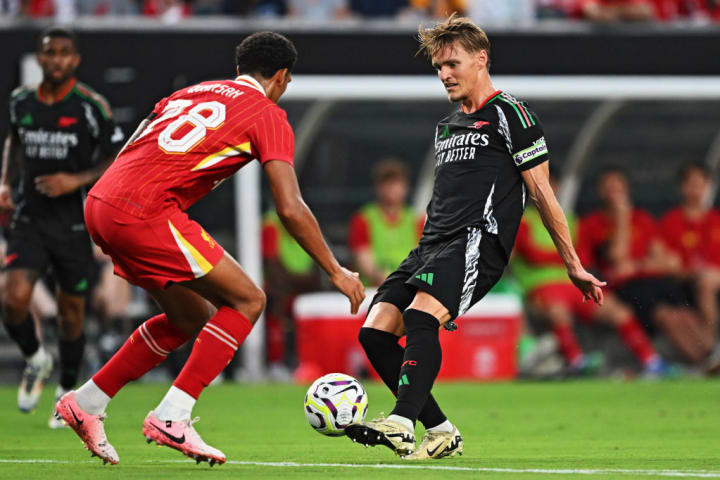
pixel 71 135
pixel 479 157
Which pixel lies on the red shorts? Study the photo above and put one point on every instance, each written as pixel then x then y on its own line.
pixel 564 294
pixel 154 252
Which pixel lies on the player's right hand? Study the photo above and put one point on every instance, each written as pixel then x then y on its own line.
pixel 6 202
pixel 350 285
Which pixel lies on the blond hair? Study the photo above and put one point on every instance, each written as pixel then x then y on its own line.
pixel 455 28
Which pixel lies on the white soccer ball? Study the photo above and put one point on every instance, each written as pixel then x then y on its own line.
pixel 333 402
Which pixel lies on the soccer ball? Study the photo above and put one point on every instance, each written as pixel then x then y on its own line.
pixel 333 402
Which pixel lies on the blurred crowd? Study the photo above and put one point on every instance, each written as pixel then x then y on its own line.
pixel 485 12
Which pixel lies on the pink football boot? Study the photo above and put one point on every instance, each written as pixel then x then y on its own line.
pixel 89 428
pixel 181 436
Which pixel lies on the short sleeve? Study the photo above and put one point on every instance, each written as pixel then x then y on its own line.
pixel 111 137
pixel 522 133
pixel 272 136
pixel 159 107
pixel 359 235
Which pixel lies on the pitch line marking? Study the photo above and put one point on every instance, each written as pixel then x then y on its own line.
pixel 659 473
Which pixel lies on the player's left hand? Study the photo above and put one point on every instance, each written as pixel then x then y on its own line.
pixel 590 286
pixel 56 184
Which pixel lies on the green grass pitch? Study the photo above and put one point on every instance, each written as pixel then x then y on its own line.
pixel 589 429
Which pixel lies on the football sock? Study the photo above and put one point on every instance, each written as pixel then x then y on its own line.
pixel 386 356
pixel 445 427
pixel 405 422
pixel 421 363
pixel 634 336
pixel 147 346
pixel 24 335
pixel 175 406
pixel 568 343
pixel 214 347
pixel 91 399
pixel 71 356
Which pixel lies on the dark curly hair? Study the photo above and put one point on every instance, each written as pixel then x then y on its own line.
pixel 265 53
pixel 57 32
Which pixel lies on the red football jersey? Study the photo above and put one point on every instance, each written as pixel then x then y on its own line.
pixel 198 137
pixel 696 241
pixel 594 236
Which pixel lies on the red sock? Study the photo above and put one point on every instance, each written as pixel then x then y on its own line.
pixel 636 340
pixel 213 350
pixel 147 346
pixel 568 343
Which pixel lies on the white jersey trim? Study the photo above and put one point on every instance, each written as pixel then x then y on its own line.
pixel 248 81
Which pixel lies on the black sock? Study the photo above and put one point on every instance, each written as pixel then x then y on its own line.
pixel 71 356
pixel 386 356
pixel 24 335
pixel 421 363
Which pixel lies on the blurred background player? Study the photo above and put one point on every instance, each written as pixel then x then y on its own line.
pixel 692 234
pixel 623 244
pixel 289 271
pixel 63 137
pixel 540 271
pixel 193 140
pixel 384 231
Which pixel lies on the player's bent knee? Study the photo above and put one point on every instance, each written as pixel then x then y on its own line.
pixel 15 306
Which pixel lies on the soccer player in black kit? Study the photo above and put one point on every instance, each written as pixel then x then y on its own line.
pixel 62 138
pixel 491 156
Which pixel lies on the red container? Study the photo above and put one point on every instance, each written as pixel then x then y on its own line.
pixel 483 348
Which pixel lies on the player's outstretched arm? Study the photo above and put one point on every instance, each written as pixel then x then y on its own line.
pixel 537 180
pixel 11 160
pixel 301 224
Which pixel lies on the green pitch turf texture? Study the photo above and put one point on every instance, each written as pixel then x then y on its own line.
pixel 591 429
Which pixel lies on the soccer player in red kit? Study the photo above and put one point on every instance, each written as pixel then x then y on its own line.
pixel 192 141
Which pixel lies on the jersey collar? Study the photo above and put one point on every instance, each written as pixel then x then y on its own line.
pixel 62 95
pixel 248 81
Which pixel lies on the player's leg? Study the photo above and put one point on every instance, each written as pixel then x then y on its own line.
pixel 383 328
pixel 631 332
pixel 71 345
pixel 239 303
pixel 147 346
pixel 549 302
pixel 20 326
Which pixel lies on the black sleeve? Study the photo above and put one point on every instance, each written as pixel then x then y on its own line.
pixel 110 138
pixel 523 133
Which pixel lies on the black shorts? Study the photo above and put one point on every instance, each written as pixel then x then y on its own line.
pixel 458 272
pixel 38 244
pixel 644 295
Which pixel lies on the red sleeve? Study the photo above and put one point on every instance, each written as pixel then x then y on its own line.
pixel 159 107
pixel 273 137
pixel 585 242
pixel 269 242
pixel 359 235
pixel 531 253
pixel 670 231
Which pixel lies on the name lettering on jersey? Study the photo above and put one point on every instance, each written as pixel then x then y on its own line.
pixel 47 144
pixel 459 147
pixel 538 149
pixel 218 88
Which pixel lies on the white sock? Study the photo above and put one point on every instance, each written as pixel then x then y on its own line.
pixel 406 422
pixel 445 427
pixel 38 358
pixel 91 398
pixel 175 406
